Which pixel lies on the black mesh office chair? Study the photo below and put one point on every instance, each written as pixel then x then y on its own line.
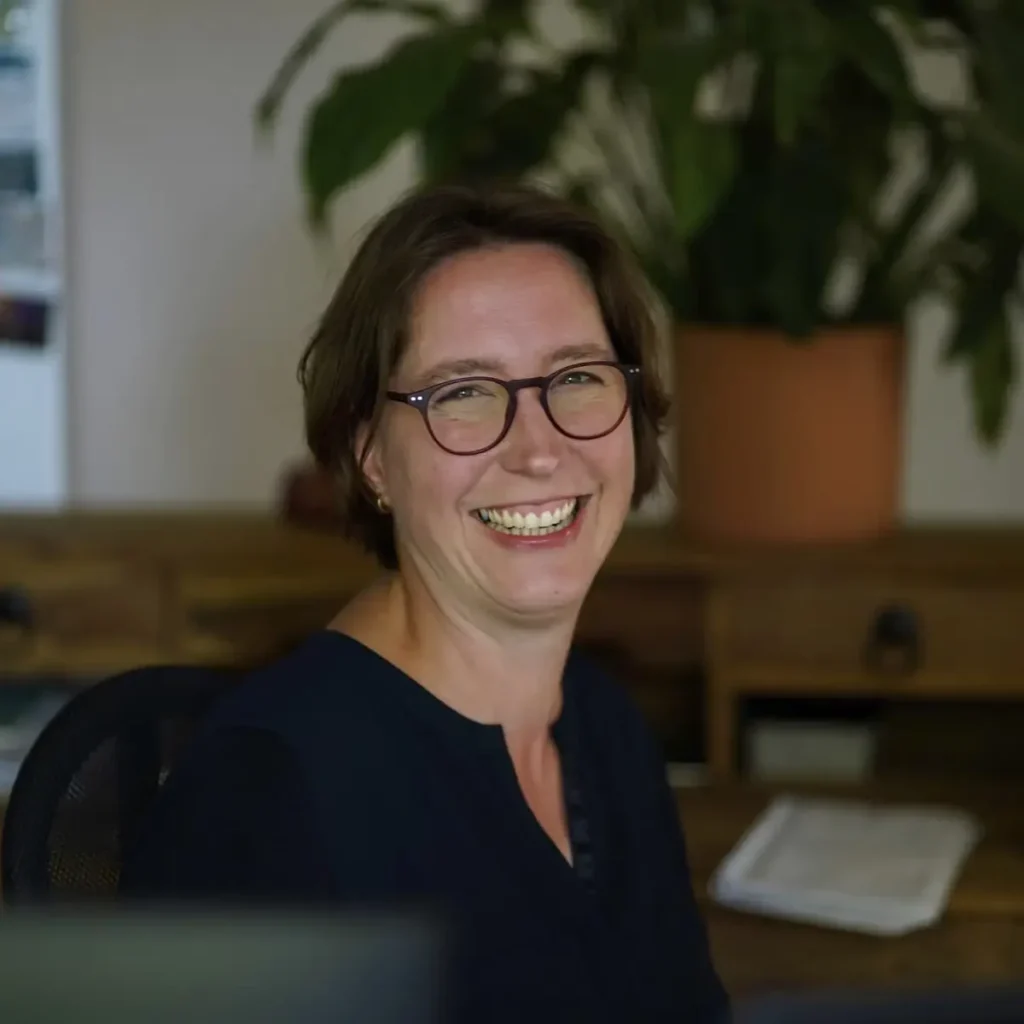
pixel 90 777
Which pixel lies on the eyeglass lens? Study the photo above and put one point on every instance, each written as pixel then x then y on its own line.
pixel 584 402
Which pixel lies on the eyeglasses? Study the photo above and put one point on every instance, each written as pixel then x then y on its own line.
pixel 471 415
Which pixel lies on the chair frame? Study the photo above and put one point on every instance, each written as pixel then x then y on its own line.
pixel 129 704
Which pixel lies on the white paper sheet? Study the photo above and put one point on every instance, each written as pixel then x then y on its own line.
pixel 879 869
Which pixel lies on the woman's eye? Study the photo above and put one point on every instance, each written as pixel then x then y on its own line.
pixel 465 391
pixel 578 377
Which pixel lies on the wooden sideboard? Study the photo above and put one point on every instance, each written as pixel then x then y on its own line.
pixel 927 614
pixel 99 593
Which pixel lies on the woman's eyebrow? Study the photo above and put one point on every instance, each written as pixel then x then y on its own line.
pixel 458 368
pixel 468 366
pixel 579 352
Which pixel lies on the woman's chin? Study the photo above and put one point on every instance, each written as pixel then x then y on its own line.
pixel 541 596
pixel 544 577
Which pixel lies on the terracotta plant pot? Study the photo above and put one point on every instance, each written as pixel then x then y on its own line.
pixel 785 442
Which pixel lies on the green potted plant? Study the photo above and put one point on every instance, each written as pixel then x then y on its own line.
pixel 748 151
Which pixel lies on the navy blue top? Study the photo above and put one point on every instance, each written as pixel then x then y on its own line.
pixel 333 777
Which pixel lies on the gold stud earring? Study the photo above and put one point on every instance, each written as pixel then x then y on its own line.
pixel 382 506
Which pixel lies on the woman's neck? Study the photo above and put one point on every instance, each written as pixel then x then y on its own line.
pixel 490 671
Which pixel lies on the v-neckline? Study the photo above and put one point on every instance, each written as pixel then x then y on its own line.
pixel 518 797
pixel 563 734
pixel 490 738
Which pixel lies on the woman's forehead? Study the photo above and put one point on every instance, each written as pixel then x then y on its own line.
pixel 519 306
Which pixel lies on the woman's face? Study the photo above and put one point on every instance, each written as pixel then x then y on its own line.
pixel 516 311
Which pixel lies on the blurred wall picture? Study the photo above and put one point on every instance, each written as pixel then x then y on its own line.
pixel 22 227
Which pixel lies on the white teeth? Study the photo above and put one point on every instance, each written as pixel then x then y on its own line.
pixel 530 524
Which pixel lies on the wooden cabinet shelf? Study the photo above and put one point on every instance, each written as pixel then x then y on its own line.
pixel 926 614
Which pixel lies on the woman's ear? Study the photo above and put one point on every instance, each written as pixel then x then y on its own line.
pixel 368 458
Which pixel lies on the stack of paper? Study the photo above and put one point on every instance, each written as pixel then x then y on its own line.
pixel 863 867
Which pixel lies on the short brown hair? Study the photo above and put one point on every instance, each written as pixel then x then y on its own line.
pixel 362 336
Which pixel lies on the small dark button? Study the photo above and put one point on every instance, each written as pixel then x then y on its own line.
pixel 579 830
pixel 585 865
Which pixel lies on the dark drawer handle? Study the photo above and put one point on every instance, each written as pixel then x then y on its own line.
pixel 16 608
pixel 894 642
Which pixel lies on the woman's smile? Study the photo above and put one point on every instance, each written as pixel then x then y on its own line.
pixel 537 527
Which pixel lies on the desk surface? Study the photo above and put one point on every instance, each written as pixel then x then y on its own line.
pixel 980 940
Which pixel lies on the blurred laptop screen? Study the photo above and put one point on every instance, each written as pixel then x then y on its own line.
pixel 207 968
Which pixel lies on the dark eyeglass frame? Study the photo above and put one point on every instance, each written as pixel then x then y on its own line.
pixel 420 400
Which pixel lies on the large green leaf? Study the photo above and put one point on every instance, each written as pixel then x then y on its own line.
pixel 700 159
pixel 998 75
pixel 861 37
pixel 458 134
pixel 861 139
pixel 993 373
pixel 798 79
pixel 987 290
pixel 996 157
pixel 729 256
pixel 504 18
pixel 803 248
pixel 799 59
pixel 366 111
pixel 312 39
pixel 888 272
pixel 698 156
pixel 521 130
pixel 994 130
pixel 671 70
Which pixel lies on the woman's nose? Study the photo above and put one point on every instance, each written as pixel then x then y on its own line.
pixel 533 443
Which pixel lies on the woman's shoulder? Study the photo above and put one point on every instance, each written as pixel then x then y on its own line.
pixel 238 815
pixel 326 682
pixel 600 693
pixel 233 822
pixel 606 711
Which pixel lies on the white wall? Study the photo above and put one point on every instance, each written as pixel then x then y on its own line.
pixel 947 473
pixel 194 283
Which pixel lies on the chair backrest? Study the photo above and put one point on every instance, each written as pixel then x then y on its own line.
pixel 90 777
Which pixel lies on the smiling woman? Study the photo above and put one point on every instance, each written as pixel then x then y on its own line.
pixel 482 387
pixel 477 278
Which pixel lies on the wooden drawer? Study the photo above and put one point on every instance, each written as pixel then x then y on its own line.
pixel 833 633
pixel 74 615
